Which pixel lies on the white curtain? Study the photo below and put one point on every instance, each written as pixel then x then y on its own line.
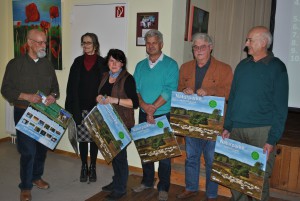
pixel 229 23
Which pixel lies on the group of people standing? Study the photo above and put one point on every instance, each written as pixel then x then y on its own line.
pixel 257 98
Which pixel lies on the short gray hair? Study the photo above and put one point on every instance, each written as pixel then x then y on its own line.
pixel 268 36
pixel 202 36
pixel 153 33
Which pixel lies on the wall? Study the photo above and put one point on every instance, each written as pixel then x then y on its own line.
pixel 6 53
pixel 171 24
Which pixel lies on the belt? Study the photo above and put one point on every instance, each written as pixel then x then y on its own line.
pixel 21 106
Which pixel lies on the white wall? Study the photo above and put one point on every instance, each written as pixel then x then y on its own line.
pixel 135 53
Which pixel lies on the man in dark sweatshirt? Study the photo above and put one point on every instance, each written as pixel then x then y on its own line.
pixel 258 101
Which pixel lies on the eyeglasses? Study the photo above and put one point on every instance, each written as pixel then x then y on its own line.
pixel 200 48
pixel 39 42
pixel 86 43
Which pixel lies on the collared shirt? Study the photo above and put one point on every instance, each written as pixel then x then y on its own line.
pixel 265 59
pixel 200 74
pixel 160 58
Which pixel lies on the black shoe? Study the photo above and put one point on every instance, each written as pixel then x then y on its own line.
pixel 84 173
pixel 114 196
pixel 92 175
pixel 108 188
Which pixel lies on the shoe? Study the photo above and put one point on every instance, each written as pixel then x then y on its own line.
pixel 162 196
pixel 41 184
pixel 84 173
pixel 25 195
pixel 114 196
pixel 186 194
pixel 92 173
pixel 140 188
pixel 108 188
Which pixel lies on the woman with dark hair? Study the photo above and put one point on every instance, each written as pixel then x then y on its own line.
pixel 118 88
pixel 82 90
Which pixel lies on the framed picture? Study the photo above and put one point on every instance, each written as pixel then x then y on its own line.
pixel 145 22
pixel 198 21
pixel 187 17
pixel 44 15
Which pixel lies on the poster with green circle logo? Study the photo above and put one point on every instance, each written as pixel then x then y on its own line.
pixel 121 135
pixel 160 124
pixel 212 103
pixel 255 155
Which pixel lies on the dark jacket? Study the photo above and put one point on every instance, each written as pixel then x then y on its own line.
pixel 72 103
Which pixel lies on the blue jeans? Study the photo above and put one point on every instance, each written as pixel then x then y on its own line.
pixel 33 156
pixel 120 166
pixel 194 149
pixel 164 169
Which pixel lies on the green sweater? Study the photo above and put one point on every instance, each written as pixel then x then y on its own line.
pixel 259 96
pixel 161 80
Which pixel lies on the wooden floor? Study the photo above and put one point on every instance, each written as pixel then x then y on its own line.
pixel 152 194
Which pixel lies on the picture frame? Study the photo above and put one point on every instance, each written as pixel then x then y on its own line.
pixel 198 22
pixel 144 23
pixel 44 15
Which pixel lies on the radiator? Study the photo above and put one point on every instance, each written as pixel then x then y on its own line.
pixel 9 122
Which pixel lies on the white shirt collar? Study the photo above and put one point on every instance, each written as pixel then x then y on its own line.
pixel 160 58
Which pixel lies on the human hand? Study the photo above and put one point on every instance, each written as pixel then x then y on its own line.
pixel 110 100
pixel 149 109
pixel 100 99
pixel 225 134
pixel 268 149
pixel 33 98
pixel 188 91
pixel 201 92
pixel 49 100
pixel 150 119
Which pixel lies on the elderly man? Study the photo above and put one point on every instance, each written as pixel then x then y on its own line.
pixel 258 101
pixel 156 77
pixel 204 76
pixel 24 76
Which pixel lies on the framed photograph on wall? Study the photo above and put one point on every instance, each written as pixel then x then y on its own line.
pixel 145 22
pixel 198 21
pixel 187 17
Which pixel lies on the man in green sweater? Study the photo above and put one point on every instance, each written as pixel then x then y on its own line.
pixel 258 101
pixel 156 77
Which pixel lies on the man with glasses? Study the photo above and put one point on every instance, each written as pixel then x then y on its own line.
pixel 204 76
pixel 258 102
pixel 24 76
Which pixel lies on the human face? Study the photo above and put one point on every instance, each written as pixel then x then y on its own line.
pixel 201 51
pixel 114 65
pixel 37 44
pixel 255 44
pixel 153 46
pixel 88 45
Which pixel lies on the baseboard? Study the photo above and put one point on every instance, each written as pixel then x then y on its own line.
pixel 5 139
pixel 99 161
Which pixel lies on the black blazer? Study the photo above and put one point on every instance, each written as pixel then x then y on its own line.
pixel 72 103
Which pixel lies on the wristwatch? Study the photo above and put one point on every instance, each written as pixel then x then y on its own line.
pixel 55 95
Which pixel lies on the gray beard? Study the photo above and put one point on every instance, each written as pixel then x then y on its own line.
pixel 41 54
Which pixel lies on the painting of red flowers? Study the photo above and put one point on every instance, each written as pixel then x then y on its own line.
pixel 38 14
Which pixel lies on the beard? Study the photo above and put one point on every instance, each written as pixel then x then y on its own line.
pixel 41 53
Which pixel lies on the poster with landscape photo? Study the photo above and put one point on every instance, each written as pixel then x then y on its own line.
pixel 107 130
pixel 155 142
pixel 197 116
pixel 239 166
pixel 45 124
